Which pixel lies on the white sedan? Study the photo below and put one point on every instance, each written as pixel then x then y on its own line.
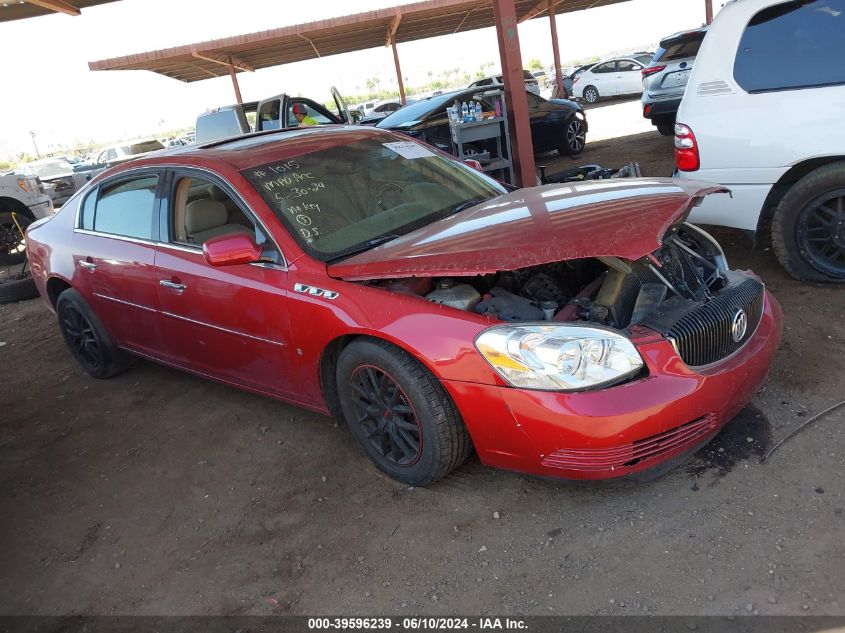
pixel 610 78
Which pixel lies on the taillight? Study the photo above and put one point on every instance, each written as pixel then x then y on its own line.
pixel 686 149
pixel 647 72
pixel 647 110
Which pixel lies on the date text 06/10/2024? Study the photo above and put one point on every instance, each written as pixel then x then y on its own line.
pixel 415 624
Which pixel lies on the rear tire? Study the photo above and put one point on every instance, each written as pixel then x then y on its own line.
pixel 808 226
pixel 399 413
pixel 591 94
pixel 666 128
pixel 87 339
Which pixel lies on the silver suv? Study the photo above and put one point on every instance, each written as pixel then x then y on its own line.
pixel 665 78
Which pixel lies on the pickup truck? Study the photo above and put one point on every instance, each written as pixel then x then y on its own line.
pixel 274 113
pixel 25 196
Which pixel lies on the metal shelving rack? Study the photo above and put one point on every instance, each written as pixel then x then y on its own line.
pixel 494 128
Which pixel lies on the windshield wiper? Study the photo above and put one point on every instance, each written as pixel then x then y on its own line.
pixel 360 248
pixel 466 204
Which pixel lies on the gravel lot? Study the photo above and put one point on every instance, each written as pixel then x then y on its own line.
pixel 160 493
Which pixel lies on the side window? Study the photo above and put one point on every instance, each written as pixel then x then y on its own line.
pixel 609 67
pixel 86 220
pixel 626 66
pixel 111 154
pixel 202 210
pixel 126 208
pixel 793 45
pixel 310 111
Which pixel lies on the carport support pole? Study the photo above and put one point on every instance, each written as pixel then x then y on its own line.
pixel 708 11
pixel 561 90
pixel 234 77
pixel 398 71
pixel 504 13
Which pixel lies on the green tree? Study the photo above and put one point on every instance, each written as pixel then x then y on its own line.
pixel 535 64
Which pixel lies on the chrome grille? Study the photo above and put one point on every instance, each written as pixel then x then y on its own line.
pixel 704 335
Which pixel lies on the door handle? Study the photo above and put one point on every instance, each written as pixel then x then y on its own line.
pixel 173 285
pixel 89 266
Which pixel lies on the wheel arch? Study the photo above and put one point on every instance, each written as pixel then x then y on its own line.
pixel 332 351
pixel 56 286
pixel 15 205
pixel 785 183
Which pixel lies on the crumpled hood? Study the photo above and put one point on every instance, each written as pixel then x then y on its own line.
pixel 623 218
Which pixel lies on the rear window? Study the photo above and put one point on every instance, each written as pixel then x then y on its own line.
pixel 797 44
pixel 679 47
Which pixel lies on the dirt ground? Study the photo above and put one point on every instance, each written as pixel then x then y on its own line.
pixel 160 493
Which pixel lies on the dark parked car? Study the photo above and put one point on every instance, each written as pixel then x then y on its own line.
pixel 555 124
pixel 577 330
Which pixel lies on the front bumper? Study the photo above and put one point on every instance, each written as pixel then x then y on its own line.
pixel 622 430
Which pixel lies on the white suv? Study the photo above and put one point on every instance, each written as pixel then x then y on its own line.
pixel 764 114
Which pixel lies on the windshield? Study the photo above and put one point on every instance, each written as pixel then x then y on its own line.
pixel 414 111
pixel 643 59
pixel 348 198
pixel 48 170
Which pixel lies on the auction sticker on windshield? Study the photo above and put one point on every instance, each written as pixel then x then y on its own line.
pixel 409 150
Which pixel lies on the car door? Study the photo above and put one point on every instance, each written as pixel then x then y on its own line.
pixel 542 123
pixel 229 322
pixel 629 77
pixel 114 256
pixel 603 77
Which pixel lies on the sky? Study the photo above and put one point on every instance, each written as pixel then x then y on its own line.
pixel 48 89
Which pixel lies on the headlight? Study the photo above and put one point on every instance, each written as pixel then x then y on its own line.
pixel 558 357
pixel 30 185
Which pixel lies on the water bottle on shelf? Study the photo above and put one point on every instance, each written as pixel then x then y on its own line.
pixel 464 112
pixel 478 113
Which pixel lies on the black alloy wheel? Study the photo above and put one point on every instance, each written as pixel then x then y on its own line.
pixel 821 233
pixel 87 339
pixel 808 226
pixel 399 413
pixel 386 416
pixel 576 137
pixel 80 337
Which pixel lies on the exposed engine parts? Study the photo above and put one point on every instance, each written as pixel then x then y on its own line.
pixel 686 271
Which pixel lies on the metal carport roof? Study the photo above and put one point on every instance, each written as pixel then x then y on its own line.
pixel 18 9
pixel 370 29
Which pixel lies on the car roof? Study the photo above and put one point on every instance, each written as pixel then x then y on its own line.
pixel 258 148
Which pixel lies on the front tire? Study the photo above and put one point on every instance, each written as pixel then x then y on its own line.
pixel 808 226
pixel 591 94
pixel 87 339
pixel 399 413
pixel 575 137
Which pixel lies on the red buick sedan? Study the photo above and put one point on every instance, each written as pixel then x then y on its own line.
pixel 579 331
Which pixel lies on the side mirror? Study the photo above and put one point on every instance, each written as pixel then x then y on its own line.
pixel 228 250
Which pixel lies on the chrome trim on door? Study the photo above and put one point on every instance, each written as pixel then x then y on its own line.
pixel 89 266
pixel 126 303
pixel 223 329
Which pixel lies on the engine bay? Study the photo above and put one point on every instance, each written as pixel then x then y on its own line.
pixel 686 271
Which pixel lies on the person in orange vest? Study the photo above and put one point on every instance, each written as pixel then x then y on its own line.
pixel 302 117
